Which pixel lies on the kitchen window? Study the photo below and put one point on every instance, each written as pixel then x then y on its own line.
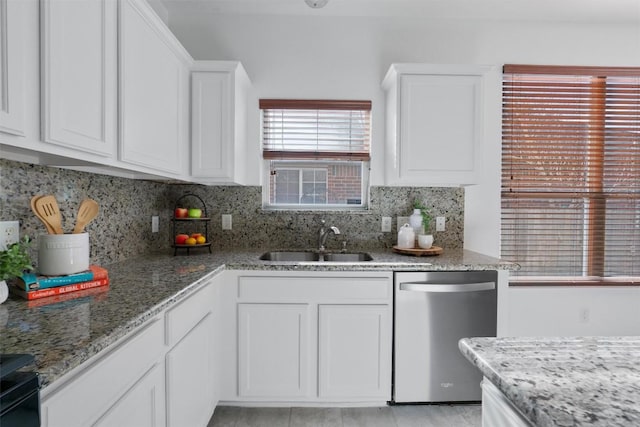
pixel 316 153
pixel 571 174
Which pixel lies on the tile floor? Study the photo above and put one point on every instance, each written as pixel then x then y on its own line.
pixel 389 416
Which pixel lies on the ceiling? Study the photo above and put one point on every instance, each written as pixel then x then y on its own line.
pixel 586 11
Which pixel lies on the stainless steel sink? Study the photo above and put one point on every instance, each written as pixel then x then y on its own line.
pixel 348 257
pixel 296 256
pixel 290 256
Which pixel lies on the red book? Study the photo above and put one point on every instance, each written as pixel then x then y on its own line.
pixel 97 294
pixel 59 290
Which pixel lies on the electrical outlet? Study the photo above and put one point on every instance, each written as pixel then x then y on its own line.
pixel 9 233
pixel 584 315
pixel 155 224
pixel 386 224
pixel 226 222
pixel 440 221
pixel 402 220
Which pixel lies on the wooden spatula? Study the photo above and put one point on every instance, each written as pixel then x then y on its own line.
pixel 87 211
pixel 50 229
pixel 47 210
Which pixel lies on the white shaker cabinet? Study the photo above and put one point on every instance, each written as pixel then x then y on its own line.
pixel 154 84
pixel 191 361
pixel 354 343
pixel 163 374
pixel 105 389
pixel 220 99
pixel 12 51
pixel 309 337
pixel 434 124
pixel 79 74
pixel 273 350
pixel 141 406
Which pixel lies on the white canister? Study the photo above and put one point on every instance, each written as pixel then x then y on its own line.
pixel 406 237
pixel 60 254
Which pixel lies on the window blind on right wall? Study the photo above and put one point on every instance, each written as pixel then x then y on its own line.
pixel 571 174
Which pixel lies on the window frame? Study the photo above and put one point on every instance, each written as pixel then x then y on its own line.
pixel 320 157
pixel 595 199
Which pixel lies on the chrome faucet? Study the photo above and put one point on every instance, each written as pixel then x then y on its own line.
pixel 323 233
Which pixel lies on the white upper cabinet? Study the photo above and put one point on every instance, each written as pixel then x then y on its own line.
pixel 434 124
pixel 79 74
pixel 12 49
pixel 219 104
pixel 154 84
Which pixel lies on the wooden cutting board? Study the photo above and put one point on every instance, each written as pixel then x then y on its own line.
pixel 433 250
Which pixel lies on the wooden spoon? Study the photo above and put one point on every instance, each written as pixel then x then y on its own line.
pixel 50 229
pixel 87 211
pixel 47 207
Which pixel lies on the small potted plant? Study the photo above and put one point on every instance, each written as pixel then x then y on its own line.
pixel 13 262
pixel 424 236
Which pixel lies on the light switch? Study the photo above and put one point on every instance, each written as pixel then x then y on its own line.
pixel 440 221
pixel 226 222
pixel 386 224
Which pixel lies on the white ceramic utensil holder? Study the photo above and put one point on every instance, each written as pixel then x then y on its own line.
pixel 60 254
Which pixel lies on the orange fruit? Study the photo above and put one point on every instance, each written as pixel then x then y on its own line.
pixel 190 241
pixel 200 240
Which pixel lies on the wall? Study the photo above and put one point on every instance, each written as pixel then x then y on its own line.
pixel 123 227
pixel 254 228
pixel 309 56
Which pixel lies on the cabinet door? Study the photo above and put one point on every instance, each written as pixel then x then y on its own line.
pixel 439 128
pixel 141 406
pixel 211 134
pixel 354 348
pixel 12 49
pixel 273 350
pixel 190 377
pixel 219 108
pixel 102 384
pixel 152 92
pixel 79 74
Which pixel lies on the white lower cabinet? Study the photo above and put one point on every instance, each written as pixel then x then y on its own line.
pixel 354 345
pixel 94 394
pixel 190 380
pixel 190 361
pixel 309 337
pixel 273 350
pixel 162 375
pixel 141 406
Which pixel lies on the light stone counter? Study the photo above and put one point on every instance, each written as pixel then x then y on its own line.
pixel 65 334
pixel 592 381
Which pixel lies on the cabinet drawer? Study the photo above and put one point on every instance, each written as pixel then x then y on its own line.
pixel 182 318
pixel 296 288
pixel 96 388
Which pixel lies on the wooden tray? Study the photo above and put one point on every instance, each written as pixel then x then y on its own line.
pixel 433 250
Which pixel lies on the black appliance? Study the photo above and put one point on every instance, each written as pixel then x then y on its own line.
pixel 19 392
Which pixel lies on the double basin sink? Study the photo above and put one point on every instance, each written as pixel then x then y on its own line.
pixel 301 256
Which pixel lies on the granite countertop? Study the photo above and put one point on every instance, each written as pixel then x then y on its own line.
pixel 65 334
pixel 590 381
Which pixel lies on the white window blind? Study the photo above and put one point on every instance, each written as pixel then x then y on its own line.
pixel 571 174
pixel 307 129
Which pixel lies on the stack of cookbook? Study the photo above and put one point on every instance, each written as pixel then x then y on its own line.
pixel 34 286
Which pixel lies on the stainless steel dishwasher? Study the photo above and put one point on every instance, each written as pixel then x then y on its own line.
pixel 433 310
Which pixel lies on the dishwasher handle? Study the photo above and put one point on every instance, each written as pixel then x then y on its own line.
pixel 449 287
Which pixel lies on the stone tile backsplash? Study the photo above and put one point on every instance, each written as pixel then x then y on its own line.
pixel 123 227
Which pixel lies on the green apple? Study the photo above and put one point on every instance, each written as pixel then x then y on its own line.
pixel 194 213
